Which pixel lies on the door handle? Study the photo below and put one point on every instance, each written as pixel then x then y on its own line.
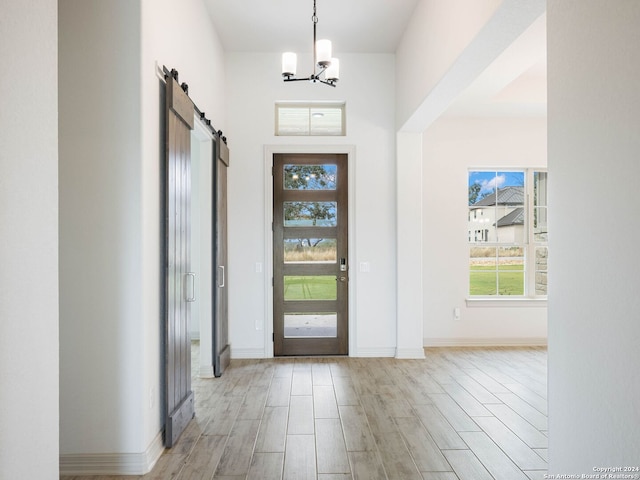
pixel 221 276
pixel 190 287
pixel 342 278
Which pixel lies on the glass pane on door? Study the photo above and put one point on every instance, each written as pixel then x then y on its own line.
pixel 310 177
pixel 316 287
pixel 310 250
pixel 310 325
pixel 310 214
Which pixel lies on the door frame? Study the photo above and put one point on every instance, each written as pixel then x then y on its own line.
pixel 204 270
pixel 212 151
pixel 266 322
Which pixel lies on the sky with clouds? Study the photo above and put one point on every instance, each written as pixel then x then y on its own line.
pixel 489 181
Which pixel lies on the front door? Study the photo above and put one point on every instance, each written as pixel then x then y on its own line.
pixel 310 254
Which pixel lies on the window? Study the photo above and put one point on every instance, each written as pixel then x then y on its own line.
pixel 507 232
pixel 310 119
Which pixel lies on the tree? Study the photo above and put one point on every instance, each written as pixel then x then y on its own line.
pixel 309 212
pixel 474 192
pixel 309 177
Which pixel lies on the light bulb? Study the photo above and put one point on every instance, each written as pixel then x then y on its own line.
pixel 289 61
pixel 333 71
pixel 323 52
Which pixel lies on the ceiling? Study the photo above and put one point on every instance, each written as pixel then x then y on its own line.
pixel 515 84
pixel 353 26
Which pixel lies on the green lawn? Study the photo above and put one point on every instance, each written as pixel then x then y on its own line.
pixel 321 287
pixel 482 280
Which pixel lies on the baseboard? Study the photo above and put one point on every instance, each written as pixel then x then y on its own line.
pixel 485 342
pixel 374 352
pixel 113 463
pixel 247 353
pixel 206 371
pixel 409 353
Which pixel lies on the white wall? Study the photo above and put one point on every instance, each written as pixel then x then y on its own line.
pixel 451 147
pixel 101 332
pixel 29 239
pixel 367 85
pixel 110 174
pixel 594 120
pixel 409 233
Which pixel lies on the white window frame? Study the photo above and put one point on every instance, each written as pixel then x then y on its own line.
pixel 308 106
pixel 529 298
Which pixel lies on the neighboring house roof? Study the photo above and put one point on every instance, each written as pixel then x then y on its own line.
pixel 505 196
pixel 513 218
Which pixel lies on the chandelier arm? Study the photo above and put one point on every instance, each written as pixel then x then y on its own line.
pixel 331 83
pixel 295 79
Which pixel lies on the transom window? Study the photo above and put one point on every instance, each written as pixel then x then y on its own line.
pixel 310 119
pixel 507 233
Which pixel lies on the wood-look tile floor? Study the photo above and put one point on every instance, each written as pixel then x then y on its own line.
pixel 460 414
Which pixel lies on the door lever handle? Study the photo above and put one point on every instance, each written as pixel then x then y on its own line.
pixel 221 277
pixel 190 287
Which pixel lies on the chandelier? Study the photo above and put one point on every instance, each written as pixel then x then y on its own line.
pixel 322 61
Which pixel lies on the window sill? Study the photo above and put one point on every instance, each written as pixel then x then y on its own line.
pixel 506 302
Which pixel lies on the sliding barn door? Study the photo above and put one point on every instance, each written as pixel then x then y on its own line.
pixel 221 349
pixel 179 278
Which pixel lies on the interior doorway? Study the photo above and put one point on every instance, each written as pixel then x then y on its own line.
pixel 310 254
pixel 209 316
pixel 202 148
